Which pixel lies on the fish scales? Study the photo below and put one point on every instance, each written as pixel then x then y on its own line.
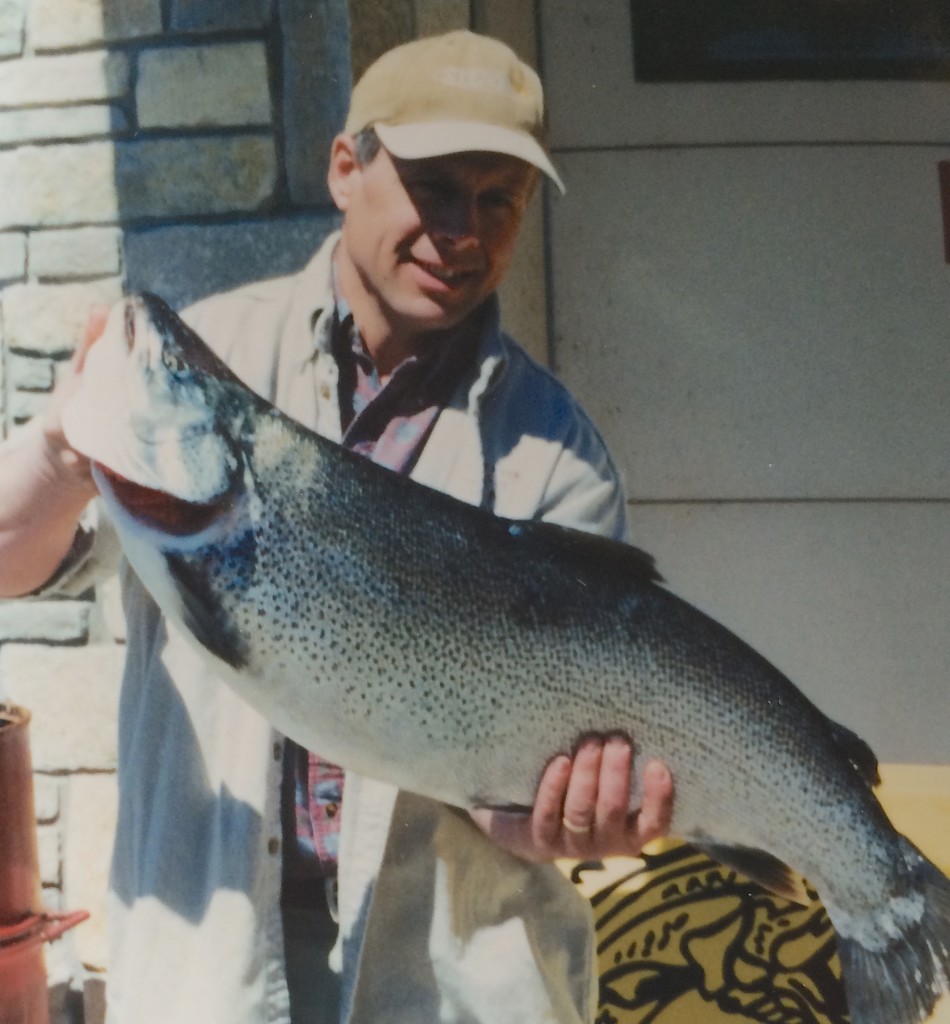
pixel 421 638
pixel 411 637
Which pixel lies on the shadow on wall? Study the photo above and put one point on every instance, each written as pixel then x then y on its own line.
pixel 219 175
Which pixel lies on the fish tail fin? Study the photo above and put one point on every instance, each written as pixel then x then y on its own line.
pixel 897 965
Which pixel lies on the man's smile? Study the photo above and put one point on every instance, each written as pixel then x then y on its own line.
pixel 449 276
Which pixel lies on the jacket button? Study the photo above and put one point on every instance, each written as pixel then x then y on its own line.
pixel 325 392
pixel 273 846
pixel 278 751
pixel 331 810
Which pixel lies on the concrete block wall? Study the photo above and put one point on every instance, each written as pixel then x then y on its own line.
pixel 173 145
pixel 135 136
pixel 118 119
pixel 121 125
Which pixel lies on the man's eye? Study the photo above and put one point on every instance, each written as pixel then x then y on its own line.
pixel 172 362
pixel 498 200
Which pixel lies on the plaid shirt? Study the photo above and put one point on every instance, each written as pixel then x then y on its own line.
pixel 388 421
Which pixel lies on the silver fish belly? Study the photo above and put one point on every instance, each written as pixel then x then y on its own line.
pixel 411 637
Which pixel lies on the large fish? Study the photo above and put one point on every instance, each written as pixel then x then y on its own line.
pixel 414 638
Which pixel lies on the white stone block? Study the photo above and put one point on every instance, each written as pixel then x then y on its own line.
pixel 24 405
pixel 109 619
pixel 64 973
pixel 61 966
pixel 52 899
pixel 46 797
pixel 12 16
pixel 49 319
pixel 58 185
pixel 175 177
pixel 59 24
pixel 72 693
pixel 51 124
pixel 30 373
pixel 12 256
pixel 79 252
pixel 62 368
pixel 50 854
pixel 65 78
pixel 91 809
pixel 99 182
pixel 44 621
pixel 203 86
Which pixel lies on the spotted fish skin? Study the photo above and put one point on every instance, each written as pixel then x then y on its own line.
pixel 414 638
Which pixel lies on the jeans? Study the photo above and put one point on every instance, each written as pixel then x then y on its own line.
pixel 309 935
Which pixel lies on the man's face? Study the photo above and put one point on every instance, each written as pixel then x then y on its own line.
pixel 429 240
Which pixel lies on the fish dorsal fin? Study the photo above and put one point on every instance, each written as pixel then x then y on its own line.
pixel 588 549
pixel 857 751
pixel 768 871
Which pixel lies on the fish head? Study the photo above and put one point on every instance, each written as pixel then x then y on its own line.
pixel 156 412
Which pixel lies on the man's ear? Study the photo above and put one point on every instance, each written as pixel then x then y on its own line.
pixel 343 165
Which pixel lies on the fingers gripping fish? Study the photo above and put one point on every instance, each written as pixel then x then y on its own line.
pixel 414 638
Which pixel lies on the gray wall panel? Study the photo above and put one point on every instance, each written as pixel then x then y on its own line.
pixel 851 601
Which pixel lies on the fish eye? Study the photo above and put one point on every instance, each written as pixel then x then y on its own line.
pixel 171 362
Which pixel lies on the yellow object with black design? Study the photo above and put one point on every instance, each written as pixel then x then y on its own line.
pixel 681 939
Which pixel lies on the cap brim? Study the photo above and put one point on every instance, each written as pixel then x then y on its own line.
pixel 423 139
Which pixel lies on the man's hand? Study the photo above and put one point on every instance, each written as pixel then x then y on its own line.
pixel 68 464
pixel 581 807
pixel 44 486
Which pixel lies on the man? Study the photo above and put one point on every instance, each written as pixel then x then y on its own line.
pixel 229 839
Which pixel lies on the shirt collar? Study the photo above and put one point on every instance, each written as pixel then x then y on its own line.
pixel 448 354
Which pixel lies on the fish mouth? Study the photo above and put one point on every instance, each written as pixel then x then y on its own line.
pixel 160 510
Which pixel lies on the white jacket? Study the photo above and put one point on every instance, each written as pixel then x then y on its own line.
pixel 437 923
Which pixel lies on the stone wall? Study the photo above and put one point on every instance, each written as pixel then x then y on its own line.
pixel 174 145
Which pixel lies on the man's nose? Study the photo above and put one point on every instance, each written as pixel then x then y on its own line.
pixel 455 221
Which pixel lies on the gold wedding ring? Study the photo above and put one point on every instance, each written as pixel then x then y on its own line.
pixel 577 830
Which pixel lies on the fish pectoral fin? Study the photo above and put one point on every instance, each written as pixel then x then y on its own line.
pixel 584 549
pixel 197 610
pixel 768 871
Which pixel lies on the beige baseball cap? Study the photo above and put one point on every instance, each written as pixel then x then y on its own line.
pixel 454 93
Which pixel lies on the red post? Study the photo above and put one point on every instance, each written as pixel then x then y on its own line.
pixel 24 925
